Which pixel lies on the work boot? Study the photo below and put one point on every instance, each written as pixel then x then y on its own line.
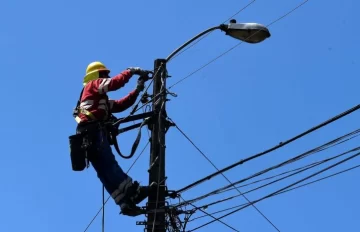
pixel 140 193
pixel 130 209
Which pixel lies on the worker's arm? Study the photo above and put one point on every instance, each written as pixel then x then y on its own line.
pixel 124 103
pixel 104 85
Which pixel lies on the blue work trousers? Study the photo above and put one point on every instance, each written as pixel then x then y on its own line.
pixel 108 170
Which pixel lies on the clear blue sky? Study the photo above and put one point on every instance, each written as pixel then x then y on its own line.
pixel 248 100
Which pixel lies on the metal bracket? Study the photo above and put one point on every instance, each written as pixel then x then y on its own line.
pixel 122 130
pixel 141 223
pixel 168 125
pixel 172 194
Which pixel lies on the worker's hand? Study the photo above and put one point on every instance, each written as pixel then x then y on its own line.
pixel 145 77
pixel 140 85
pixel 138 71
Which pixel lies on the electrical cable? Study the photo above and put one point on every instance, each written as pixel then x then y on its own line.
pixel 283 178
pixel 282 189
pixel 227 225
pixel 333 119
pixel 195 42
pixel 92 220
pixel 219 57
pixel 288 190
pixel 237 189
pixel 135 108
pixel 277 175
pixel 315 150
pixel 103 209
pixel 227 51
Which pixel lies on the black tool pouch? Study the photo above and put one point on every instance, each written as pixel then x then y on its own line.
pixel 78 152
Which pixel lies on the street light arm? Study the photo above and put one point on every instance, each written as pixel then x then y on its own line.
pixel 192 40
pixel 246 32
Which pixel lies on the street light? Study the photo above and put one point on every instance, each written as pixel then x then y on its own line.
pixel 247 32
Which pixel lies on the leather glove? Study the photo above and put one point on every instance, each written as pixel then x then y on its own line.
pixel 137 71
pixel 140 85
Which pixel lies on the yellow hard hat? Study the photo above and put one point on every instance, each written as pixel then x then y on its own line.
pixel 92 71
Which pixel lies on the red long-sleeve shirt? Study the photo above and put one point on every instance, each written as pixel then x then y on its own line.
pixel 95 100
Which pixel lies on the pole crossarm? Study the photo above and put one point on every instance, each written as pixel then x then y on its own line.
pixel 133 118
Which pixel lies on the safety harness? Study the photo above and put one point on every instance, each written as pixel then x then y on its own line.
pixel 111 125
pixel 78 110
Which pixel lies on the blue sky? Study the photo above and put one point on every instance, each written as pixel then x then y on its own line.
pixel 245 102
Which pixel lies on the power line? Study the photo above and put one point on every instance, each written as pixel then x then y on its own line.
pixel 281 174
pixel 145 105
pixel 237 189
pixel 103 209
pixel 135 108
pixel 224 53
pixel 285 177
pixel 190 46
pixel 288 190
pixel 323 147
pixel 227 225
pixel 318 180
pixel 343 114
pixel 92 220
pixel 282 189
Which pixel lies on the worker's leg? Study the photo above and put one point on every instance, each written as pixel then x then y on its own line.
pixel 118 184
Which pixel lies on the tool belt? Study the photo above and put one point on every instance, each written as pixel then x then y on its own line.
pixel 83 144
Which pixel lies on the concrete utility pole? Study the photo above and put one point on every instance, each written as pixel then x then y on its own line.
pixel 156 201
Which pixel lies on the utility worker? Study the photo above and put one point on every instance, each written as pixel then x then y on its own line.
pixel 95 107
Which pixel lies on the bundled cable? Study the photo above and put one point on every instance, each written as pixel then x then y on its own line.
pixel 323 147
pixel 280 190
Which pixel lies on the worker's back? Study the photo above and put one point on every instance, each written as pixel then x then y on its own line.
pixel 93 104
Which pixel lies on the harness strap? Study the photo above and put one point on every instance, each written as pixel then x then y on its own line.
pixel 114 132
pixel 78 110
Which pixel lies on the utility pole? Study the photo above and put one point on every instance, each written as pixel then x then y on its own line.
pixel 156 201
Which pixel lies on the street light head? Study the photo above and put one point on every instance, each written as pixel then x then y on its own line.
pixel 247 32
